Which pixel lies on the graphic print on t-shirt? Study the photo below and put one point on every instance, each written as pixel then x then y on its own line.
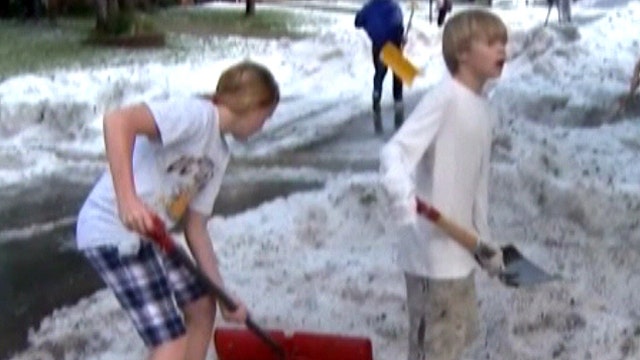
pixel 188 175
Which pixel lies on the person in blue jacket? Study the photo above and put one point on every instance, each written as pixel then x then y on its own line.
pixel 382 20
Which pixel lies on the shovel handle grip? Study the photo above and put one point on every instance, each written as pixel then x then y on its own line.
pixel 463 236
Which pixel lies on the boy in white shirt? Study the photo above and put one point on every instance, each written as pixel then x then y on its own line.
pixel 441 154
pixel 167 159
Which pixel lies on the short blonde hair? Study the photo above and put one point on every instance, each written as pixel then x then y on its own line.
pixel 246 86
pixel 466 26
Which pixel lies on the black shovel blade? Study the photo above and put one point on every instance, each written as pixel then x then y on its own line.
pixel 519 271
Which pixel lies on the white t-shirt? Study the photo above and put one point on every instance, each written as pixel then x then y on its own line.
pixel 441 154
pixel 184 168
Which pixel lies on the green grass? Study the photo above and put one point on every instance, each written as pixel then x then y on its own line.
pixel 267 23
pixel 35 47
pixel 26 47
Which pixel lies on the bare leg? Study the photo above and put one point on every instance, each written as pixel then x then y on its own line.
pixel 199 317
pixel 172 350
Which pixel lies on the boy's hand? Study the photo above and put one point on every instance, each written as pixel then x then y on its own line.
pixel 403 211
pixel 489 257
pixel 240 315
pixel 136 216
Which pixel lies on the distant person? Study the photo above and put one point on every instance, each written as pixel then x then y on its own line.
pixel 383 22
pixel 444 7
pixel 441 154
pixel 167 158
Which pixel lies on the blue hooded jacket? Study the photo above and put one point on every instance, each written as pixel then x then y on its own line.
pixel 382 20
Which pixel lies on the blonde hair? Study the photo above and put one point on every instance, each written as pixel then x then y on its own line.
pixel 465 27
pixel 246 86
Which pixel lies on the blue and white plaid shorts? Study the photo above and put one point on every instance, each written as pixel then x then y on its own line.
pixel 151 287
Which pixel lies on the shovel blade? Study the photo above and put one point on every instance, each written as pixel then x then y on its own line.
pixel 519 271
pixel 241 344
pixel 399 64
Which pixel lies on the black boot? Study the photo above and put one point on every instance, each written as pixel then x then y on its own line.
pixel 398 107
pixel 377 113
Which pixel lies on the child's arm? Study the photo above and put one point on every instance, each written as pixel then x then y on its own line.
pixel 120 130
pixel 401 154
pixel 201 247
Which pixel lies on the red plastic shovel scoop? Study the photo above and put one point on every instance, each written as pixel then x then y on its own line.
pixel 240 344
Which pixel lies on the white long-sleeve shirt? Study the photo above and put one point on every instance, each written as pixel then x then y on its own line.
pixel 441 154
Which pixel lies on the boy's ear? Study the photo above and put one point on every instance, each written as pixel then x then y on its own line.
pixel 462 56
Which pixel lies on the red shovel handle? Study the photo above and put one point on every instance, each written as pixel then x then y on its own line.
pixel 463 236
pixel 162 238
pixel 427 210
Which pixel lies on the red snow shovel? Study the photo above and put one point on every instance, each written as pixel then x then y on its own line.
pixel 518 270
pixel 163 239
pixel 239 344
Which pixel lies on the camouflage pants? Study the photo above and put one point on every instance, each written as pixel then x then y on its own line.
pixel 443 317
pixel 564 10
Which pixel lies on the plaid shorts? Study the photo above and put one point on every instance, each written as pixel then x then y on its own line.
pixel 151 287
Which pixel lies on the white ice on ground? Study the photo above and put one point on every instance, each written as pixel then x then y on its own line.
pixel 564 190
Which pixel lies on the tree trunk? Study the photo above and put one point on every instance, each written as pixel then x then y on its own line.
pixel 4 8
pixel 101 14
pixel 107 11
pixel 250 8
pixel 127 5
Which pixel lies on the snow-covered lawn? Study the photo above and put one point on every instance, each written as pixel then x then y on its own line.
pixel 564 189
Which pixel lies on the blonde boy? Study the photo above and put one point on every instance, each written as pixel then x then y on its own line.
pixel 441 154
pixel 167 159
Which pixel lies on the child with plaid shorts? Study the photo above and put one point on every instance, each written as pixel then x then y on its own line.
pixel 166 159
pixel 441 154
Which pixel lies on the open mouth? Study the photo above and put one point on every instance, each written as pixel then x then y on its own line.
pixel 500 63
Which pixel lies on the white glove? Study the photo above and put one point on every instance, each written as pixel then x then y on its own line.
pixel 489 257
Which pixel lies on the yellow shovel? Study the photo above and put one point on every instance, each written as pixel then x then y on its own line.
pixel 399 64
pixel 392 56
